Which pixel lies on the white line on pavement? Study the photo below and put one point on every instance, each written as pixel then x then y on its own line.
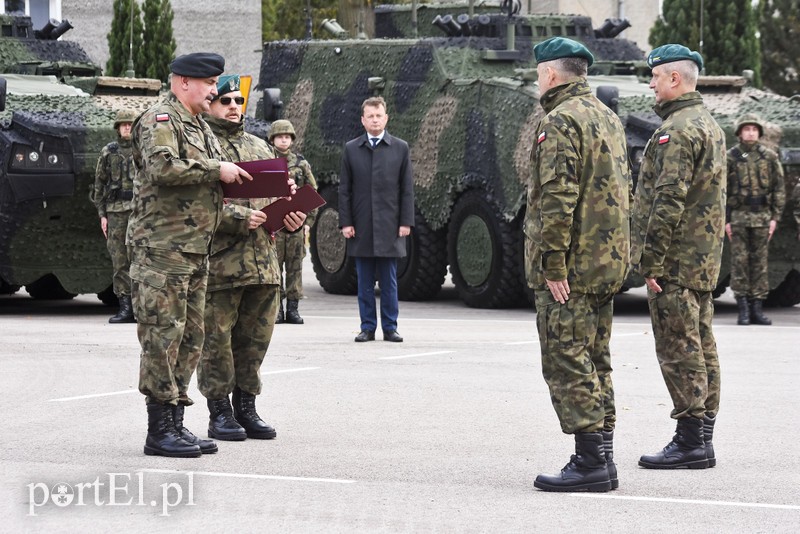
pixel 691 501
pixel 417 355
pixel 249 475
pixel 289 370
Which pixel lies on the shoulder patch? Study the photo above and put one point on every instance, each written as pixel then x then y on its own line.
pixel 162 117
pixel 663 139
pixel 541 138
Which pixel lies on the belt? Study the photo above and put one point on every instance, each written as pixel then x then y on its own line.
pixel 756 201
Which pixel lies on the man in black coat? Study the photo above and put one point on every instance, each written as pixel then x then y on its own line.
pixel 376 213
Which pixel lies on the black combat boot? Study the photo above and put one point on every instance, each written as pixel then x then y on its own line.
pixel 125 313
pixel 162 438
pixel 221 424
pixel 586 471
pixel 244 410
pixel 708 434
pixel 744 311
pixel 280 318
pixel 756 313
pixel 292 315
pixel 608 448
pixel 687 448
pixel 206 445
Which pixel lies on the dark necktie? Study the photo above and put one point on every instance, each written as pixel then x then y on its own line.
pixel 374 141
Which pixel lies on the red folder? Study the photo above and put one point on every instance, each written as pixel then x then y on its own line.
pixel 270 179
pixel 305 200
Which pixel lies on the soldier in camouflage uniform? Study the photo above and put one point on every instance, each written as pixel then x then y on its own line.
pixel 756 198
pixel 112 195
pixel 176 210
pixel 577 254
pixel 291 245
pixel 242 296
pixel 678 229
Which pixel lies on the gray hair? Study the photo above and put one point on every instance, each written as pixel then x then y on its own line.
pixel 571 66
pixel 688 70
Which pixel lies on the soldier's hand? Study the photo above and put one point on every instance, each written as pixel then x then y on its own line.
pixel 404 231
pixel 559 289
pixel 292 185
pixel 104 226
pixel 257 218
pixel 348 231
pixel 294 220
pixel 653 285
pixel 729 231
pixel 230 173
pixel 772 226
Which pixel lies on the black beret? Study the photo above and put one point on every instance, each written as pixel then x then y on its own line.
pixel 561 47
pixel 673 52
pixel 198 65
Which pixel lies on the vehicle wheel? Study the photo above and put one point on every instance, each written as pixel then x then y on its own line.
pixel 483 250
pixel 421 273
pixel 335 271
pixel 48 288
pixel 108 297
pixel 722 285
pixel 787 294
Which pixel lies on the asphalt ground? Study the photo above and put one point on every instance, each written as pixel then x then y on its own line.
pixel 442 433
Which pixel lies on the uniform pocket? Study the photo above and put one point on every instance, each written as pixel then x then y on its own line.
pixel 150 298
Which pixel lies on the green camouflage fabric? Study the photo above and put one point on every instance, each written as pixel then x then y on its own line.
pixel 177 194
pixel 796 198
pixel 576 359
pixel 576 228
pixel 576 225
pixel 176 209
pixel 242 297
pixel 678 222
pixel 686 349
pixel 756 195
pixel 118 250
pixel 292 246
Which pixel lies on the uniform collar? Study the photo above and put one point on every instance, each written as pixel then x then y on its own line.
pixel 223 127
pixel 556 95
pixel 665 109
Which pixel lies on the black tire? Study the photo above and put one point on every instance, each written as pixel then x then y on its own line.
pixel 48 288
pixel 722 285
pixel 108 297
pixel 420 274
pixel 787 294
pixel 335 271
pixel 483 251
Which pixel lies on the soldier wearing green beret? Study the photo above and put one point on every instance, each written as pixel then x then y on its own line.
pixel 756 197
pixel 177 203
pixel 242 297
pixel 112 196
pixel 577 253
pixel 291 245
pixel 678 229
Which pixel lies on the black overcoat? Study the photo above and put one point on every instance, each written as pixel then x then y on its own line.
pixel 376 196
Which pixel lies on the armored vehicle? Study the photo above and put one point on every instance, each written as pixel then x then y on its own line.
pixel 56 114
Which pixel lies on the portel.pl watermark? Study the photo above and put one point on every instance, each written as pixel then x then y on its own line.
pixel 113 489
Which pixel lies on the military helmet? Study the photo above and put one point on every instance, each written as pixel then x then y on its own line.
pixel 750 118
pixel 281 127
pixel 124 115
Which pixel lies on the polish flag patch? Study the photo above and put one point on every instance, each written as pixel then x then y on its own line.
pixel 541 138
pixel 663 139
pixel 162 117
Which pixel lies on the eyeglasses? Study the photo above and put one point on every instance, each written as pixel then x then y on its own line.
pixel 226 100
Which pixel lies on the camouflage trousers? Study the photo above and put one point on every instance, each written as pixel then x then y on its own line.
pixel 118 250
pixel 169 296
pixel 576 360
pixel 291 251
pixel 686 349
pixel 749 275
pixel 239 325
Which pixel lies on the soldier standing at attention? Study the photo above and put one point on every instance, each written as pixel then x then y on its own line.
pixel 678 228
pixel 176 210
pixel 112 195
pixel 291 245
pixel 577 253
pixel 243 290
pixel 756 198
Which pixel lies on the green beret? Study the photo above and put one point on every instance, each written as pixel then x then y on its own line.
pixel 228 84
pixel 561 47
pixel 198 65
pixel 673 52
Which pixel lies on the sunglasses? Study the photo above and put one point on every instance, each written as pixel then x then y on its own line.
pixel 226 100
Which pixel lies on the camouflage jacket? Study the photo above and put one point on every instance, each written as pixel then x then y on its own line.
pixel 796 198
pixel 113 178
pixel 177 194
pixel 679 208
pixel 577 221
pixel 300 172
pixel 240 256
pixel 756 193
